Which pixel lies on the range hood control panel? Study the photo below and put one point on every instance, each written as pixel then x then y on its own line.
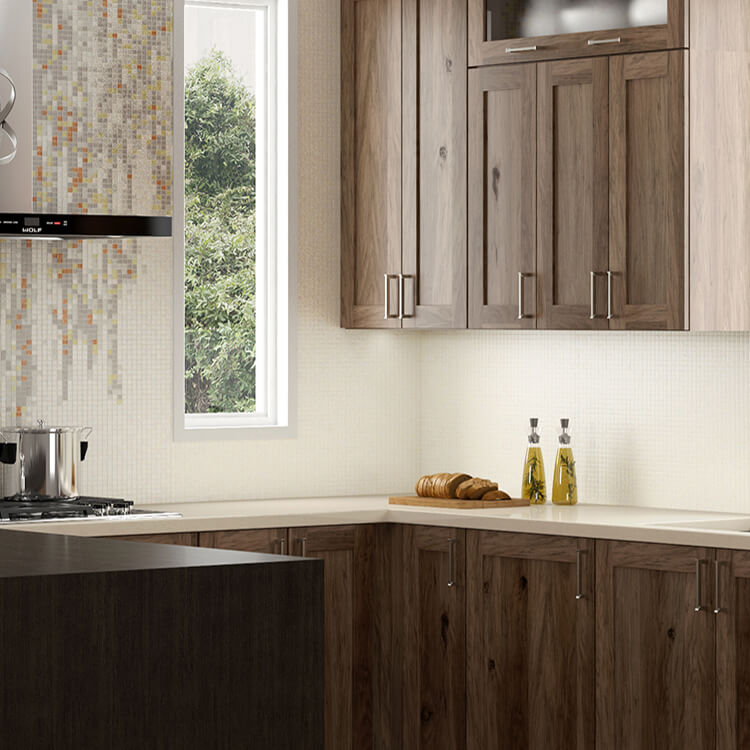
pixel 75 225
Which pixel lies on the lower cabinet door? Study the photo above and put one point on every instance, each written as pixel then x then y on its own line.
pixel 185 540
pixel 731 605
pixel 268 541
pixel 347 553
pixel 434 642
pixel 530 642
pixel 656 687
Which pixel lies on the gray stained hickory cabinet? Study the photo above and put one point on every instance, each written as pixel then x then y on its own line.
pixel 577 193
pixel 450 638
pixel 596 179
pixel 404 71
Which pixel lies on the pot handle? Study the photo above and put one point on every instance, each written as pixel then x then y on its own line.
pixel 8 453
pixel 86 431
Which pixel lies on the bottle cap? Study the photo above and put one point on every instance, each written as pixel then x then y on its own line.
pixel 534 436
pixel 564 437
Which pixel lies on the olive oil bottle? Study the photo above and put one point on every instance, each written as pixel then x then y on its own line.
pixel 564 485
pixel 532 484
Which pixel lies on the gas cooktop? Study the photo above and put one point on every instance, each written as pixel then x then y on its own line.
pixel 23 509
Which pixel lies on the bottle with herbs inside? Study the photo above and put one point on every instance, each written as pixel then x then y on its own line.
pixel 532 483
pixel 564 485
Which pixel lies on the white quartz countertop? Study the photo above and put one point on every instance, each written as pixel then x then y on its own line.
pixel 627 523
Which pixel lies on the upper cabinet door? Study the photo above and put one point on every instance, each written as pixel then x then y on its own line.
pixel 647 167
pixel 503 32
pixel 433 286
pixel 370 163
pixel 502 197
pixel 572 193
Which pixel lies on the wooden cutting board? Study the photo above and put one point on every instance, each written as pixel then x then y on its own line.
pixel 440 502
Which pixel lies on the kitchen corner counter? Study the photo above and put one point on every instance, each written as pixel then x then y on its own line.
pixel 616 522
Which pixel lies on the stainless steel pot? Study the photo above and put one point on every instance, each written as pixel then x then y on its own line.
pixel 42 462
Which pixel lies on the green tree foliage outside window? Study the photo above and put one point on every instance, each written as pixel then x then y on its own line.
pixel 219 239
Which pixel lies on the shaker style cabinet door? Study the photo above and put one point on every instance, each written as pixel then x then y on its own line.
pixel 655 645
pixel 347 554
pixel 731 604
pixel 647 169
pixel 572 193
pixel 434 645
pixel 184 540
pixel 502 197
pixel 267 541
pixel 370 163
pixel 434 164
pixel 530 642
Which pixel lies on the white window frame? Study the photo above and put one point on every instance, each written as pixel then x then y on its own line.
pixel 276 269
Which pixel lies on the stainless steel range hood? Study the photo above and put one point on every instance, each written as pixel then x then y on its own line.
pixel 18 215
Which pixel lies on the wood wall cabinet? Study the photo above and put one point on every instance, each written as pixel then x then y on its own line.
pixel 572 193
pixel 530 641
pixel 656 686
pixel 525 30
pixel 433 639
pixel 434 162
pixel 370 162
pixel 404 78
pixel 601 168
pixel 502 197
pixel 648 168
pixel 347 553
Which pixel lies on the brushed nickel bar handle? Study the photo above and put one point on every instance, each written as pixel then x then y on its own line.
pixel 401 296
pixel 451 563
pixel 717 597
pixel 303 546
pixel 521 277
pixel 609 295
pixel 579 575
pixel 282 546
pixel 592 302
pixel 613 40
pixel 402 277
pixel 698 587
pixel 531 48
pixel 387 277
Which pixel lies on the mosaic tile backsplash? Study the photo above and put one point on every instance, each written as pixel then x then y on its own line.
pixel 102 144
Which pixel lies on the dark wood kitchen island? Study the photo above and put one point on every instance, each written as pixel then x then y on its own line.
pixel 122 645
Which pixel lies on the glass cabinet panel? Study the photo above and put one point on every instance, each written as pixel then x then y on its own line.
pixel 513 19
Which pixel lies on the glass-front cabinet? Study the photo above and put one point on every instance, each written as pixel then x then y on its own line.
pixel 502 31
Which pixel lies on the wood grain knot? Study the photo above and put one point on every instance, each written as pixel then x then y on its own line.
pixel 524 583
pixel 448 64
pixel 443 153
pixel 444 622
pixel 495 181
pixel 486 587
pixel 425 714
pixel 491 665
pixel 671 634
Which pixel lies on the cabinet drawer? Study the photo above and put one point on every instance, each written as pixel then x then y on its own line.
pixel 487 48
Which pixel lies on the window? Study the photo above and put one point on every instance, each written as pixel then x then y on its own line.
pixel 234 219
